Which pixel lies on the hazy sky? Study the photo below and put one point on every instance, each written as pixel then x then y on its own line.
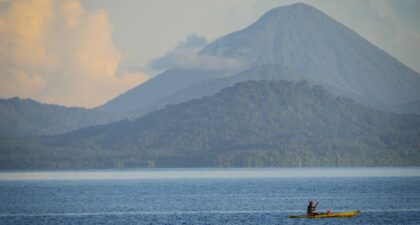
pixel 83 53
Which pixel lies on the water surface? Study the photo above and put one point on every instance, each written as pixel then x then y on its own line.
pixel 386 196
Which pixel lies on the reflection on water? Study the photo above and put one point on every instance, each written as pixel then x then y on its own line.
pixel 207 173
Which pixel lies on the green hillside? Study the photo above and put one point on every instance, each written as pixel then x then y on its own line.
pixel 26 117
pixel 253 123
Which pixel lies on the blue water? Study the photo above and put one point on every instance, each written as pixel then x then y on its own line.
pixel 383 200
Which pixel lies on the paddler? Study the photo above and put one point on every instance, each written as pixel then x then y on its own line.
pixel 311 211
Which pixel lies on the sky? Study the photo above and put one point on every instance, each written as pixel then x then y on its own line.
pixel 84 53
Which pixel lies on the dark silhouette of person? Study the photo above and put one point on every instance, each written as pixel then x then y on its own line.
pixel 311 210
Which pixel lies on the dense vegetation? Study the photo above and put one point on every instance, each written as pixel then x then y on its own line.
pixel 25 117
pixel 264 123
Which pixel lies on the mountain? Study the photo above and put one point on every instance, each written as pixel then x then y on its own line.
pixel 26 117
pixel 302 39
pixel 253 123
pixel 312 93
pixel 324 51
pixel 412 107
pixel 211 86
pixel 163 85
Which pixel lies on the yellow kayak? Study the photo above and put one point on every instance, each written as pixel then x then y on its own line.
pixel 330 215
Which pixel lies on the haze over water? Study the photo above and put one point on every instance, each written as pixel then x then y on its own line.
pixel 206 173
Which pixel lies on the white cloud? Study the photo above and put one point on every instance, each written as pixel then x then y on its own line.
pixel 186 55
pixel 58 52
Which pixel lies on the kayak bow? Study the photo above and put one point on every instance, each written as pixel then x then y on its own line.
pixel 330 215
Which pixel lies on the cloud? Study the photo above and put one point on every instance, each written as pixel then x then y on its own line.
pixel 58 52
pixel 186 56
pixel 192 41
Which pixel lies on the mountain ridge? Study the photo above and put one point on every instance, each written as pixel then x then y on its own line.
pixel 328 53
pixel 253 123
pixel 310 96
pixel 309 42
pixel 27 117
pixel 162 85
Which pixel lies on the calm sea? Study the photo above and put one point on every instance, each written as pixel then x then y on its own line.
pixel 209 196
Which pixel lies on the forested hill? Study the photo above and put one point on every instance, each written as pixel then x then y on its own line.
pixel 253 123
pixel 26 117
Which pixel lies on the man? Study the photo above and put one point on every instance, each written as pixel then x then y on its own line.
pixel 311 211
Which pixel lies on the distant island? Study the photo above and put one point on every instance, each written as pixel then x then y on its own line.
pixel 304 91
pixel 252 124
